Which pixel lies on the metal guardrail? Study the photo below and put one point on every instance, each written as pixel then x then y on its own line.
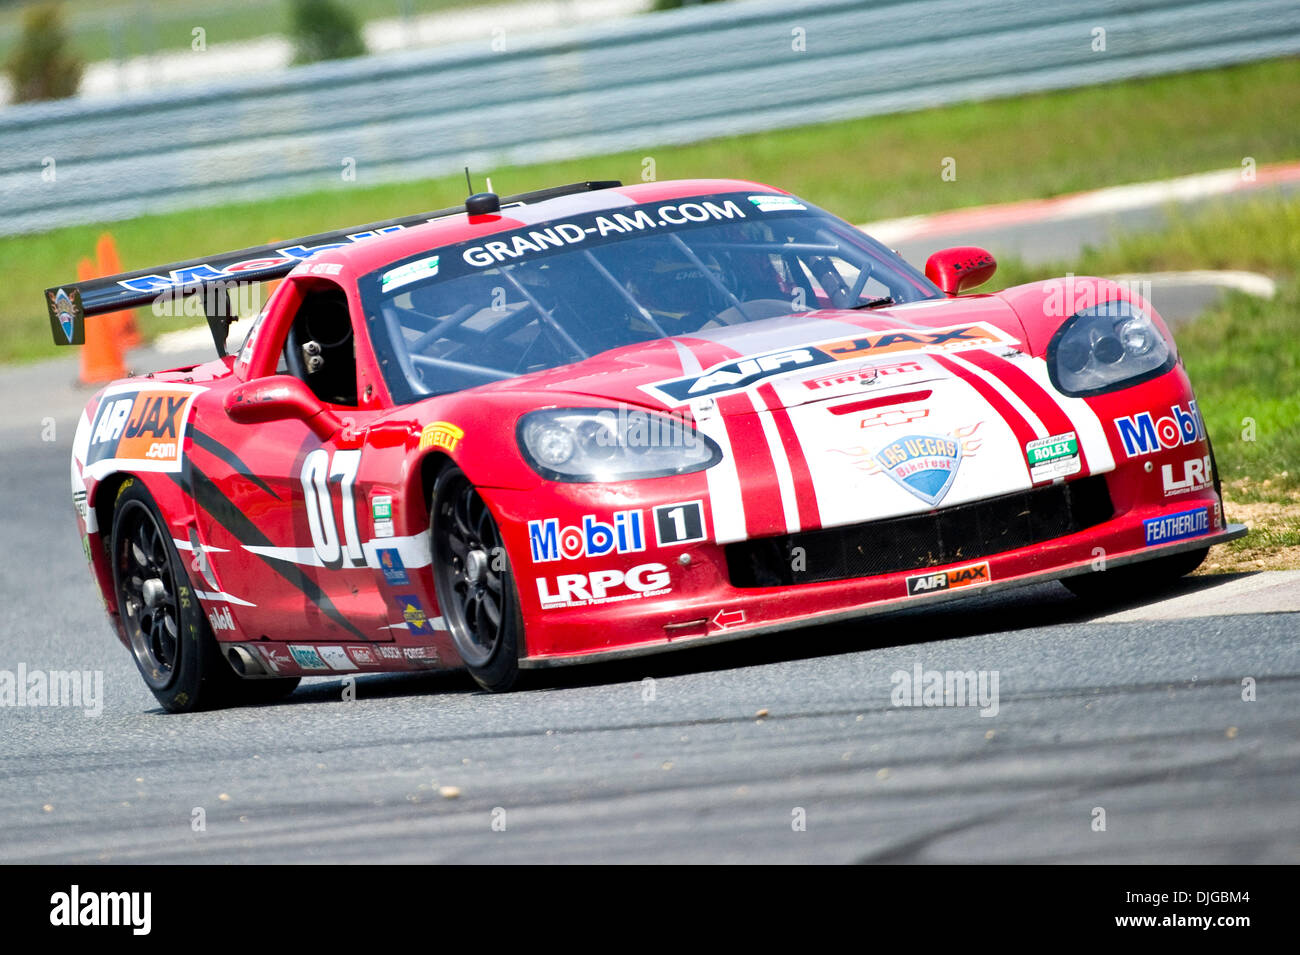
pixel 657 79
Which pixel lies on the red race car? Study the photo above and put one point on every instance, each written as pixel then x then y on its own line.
pixel 605 420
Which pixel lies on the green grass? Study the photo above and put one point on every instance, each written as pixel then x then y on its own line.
pixel 116 29
pixel 1270 535
pixel 870 168
pixel 1244 360
pixel 1244 355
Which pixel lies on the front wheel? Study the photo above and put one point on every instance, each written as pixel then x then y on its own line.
pixel 473 581
pixel 1135 580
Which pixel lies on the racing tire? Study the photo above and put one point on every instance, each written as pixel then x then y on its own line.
pixel 474 583
pixel 166 629
pixel 1135 580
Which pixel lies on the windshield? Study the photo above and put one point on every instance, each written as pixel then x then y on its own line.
pixel 563 290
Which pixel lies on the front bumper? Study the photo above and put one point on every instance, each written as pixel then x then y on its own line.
pixel 882 606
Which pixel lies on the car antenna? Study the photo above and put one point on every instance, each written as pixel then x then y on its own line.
pixel 468 184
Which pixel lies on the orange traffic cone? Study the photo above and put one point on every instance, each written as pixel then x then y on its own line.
pixel 111 264
pixel 101 356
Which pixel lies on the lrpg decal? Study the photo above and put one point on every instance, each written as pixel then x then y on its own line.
pixel 140 426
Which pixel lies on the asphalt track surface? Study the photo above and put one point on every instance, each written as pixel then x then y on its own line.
pixel 711 755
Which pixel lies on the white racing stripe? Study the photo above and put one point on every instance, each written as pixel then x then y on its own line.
pixel 998 385
pixel 206 548
pixel 725 503
pixel 222 595
pixel 435 623
pixel 784 476
pixel 1088 427
pixel 414 551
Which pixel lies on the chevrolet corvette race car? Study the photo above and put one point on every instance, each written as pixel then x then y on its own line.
pixel 604 420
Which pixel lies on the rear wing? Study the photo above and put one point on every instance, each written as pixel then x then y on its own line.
pixel 212 276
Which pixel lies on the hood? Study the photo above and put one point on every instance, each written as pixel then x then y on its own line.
pixel 674 373
pixel 833 418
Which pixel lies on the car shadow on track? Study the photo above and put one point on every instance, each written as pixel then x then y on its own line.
pixel 1037 605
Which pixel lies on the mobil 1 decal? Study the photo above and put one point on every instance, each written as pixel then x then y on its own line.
pixel 679 523
pixel 622 532
pixel 739 374
pixel 141 426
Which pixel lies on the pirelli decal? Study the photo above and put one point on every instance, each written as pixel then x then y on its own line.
pixel 140 427
pixel 743 373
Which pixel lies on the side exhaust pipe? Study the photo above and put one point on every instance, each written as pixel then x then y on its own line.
pixel 245 664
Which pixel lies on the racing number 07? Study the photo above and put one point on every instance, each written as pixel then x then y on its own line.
pixel 318 474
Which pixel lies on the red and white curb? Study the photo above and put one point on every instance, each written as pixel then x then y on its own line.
pixel 1079 205
pixel 1252 283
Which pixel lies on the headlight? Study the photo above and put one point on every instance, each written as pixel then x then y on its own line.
pixel 612 444
pixel 1111 345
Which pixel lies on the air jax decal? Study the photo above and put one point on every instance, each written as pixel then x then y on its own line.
pixel 969 576
pixel 1175 527
pixel 141 427
pixel 739 374
pixel 1141 435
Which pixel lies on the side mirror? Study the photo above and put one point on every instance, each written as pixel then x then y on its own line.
pixel 279 397
pixel 960 269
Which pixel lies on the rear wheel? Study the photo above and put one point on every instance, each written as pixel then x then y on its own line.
pixel 474 584
pixel 1135 580
pixel 169 635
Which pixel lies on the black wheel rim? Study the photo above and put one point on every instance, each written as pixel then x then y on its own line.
pixel 473 573
pixel 147 595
